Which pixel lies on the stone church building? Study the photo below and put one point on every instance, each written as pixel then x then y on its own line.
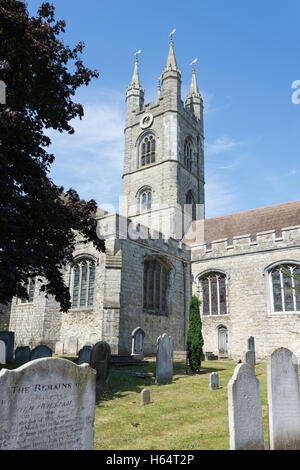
pixel 161 250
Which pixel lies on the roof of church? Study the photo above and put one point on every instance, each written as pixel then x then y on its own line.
pixel 249 222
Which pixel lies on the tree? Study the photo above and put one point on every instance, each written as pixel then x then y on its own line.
pixel 38 220
pixel 194 336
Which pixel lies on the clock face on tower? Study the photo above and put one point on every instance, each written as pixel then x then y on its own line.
pixel 146 120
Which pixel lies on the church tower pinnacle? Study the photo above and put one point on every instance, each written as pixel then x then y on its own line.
pixel 171 77
pixel 194 100
pixel 135 92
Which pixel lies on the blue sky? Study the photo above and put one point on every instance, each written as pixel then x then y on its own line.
pixel 249 56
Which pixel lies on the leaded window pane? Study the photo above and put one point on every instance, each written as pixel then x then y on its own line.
pixel 297 287
pixel 76 285
pixel 156 278
pixel 205 296
pixel 277 291
pixel 91 285
pixel 222 290
pixel 288 291
pixel 147 150
pixel 31 290
pixel 164 289
pixel 214 295
pixel 83 284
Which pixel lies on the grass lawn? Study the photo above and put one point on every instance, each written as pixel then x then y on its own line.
pixel 182 415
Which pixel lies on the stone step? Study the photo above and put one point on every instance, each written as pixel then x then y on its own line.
pixel 124 360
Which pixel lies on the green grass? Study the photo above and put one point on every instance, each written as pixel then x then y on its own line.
pixel 184 414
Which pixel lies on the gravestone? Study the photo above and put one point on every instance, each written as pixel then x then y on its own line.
pixel 244 410
pixel 249 358
pixel 251 344
pixel 40 351
pixel 47 404
pixel 59 348
pixel 84 355
pixel 22 354
pixel 214 381
pixel 2 352
pixel 9 339
pixel 100 359
pixel 164 359
pixel 145 397
pixel 137 344
pixel 283 400
pixel 72 346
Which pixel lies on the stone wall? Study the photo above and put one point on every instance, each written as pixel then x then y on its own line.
pixel 245 262
pixel 4 316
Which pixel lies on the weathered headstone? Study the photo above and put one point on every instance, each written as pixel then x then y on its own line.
pixel 84 355
pixel 244 410
pixel 72 346
pixel 164 359
pixel 214 381
pixel 145 397
pixel 47 404
pixel 283 400
pixel 249 358
pixel 137 345
pixel 22 354
pixel 2 352
pixel 59 348
pixel 251 344
pixel 40 351
pixel 9 339
pixel 100 360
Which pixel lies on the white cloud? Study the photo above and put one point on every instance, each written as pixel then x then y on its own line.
pixel 220 197
pixel 221 144
pixel 91 160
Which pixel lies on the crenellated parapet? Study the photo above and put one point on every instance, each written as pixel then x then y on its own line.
pixel 242 244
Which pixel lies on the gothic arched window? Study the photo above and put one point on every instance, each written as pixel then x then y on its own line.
pixel 147 150
pixel 190 204
pixel 146 200
pixel 285 288
pixel 212 291
pixel 156 283
pixel 188 154
pixel 83 282
pixel 29 287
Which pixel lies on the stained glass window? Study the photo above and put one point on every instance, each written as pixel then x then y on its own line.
pixel 29 286
pixel 156 279
pixel 285 285
pixel 83 284
pixel 213 293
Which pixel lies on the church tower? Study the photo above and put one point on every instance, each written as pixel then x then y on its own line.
pixel 163 160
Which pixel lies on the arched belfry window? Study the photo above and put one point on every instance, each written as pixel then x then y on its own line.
pixel 190 204
pixel 83 283
pixel 156 285
pixel 188 154
pixel 285 287
pixel 147 150
pixel 146 200
pixel 212 292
